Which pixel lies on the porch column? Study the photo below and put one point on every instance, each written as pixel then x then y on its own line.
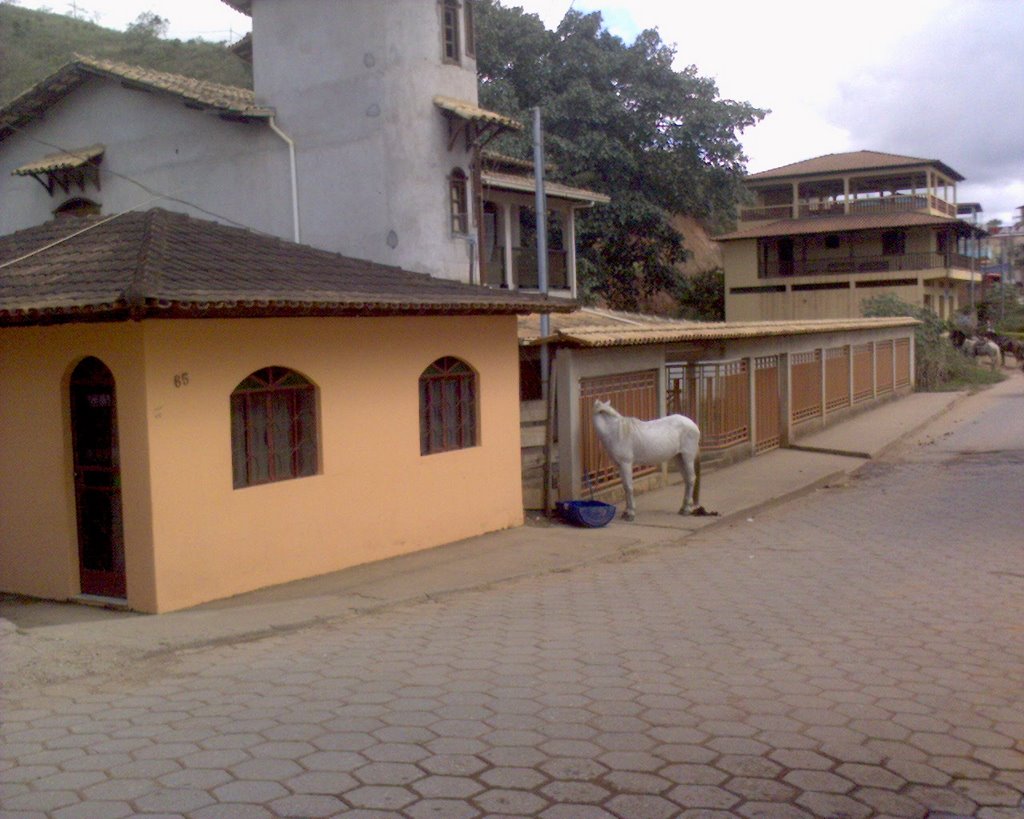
pixel 796 200
pixel 569 240
pixel 846 194
pixel 506 246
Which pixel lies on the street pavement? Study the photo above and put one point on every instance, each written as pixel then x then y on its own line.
pixel 845 642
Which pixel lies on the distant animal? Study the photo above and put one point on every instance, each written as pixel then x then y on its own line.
pixel 976 347
pixel 630 441
pixel 1006 345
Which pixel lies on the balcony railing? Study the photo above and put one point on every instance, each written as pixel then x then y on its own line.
pixel 867 264
pixel 525 261
pixel 902 203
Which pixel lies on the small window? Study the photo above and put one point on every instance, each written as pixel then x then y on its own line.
pixel 470 28
pixel 447 406
pixel 273 427
pixel 458 201
pixel 450 30
pixel 832 241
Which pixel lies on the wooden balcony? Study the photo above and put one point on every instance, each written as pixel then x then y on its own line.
pixel 901 203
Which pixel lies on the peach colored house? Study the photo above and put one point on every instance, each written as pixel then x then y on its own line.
pixel 192 411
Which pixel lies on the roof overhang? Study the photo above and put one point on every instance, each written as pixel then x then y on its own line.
pixel 478 125
pixel 671 332
pixel 556 190
pixel 65 168
pixel 818 225
pixel 228 101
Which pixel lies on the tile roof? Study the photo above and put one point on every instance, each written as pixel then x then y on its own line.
pixel 851 161
pixel 227 100
pixel 159 263
pixel 843 222
pixel 60 161
pixel 602 328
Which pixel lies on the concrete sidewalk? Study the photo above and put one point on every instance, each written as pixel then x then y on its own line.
pixel 44 642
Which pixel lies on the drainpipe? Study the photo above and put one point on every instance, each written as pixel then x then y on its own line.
pixel 295 178
pixel 547 390
pixel 542 243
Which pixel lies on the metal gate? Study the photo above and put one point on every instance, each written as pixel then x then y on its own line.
pixel 863 373
pixel 716 396
pixel 766 402
pixel 633 394
pixel 902 362
pixel 805 373
pixel 837 378
pixel 883 366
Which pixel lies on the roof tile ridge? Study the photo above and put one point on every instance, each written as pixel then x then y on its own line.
pixel 146 272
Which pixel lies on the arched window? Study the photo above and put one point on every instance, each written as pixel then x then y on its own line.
pixel 447 406
pixel 78 206
pixel 273 427
pixel 458 201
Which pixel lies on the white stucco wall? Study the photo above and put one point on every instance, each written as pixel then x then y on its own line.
pixel 155 145
pixel 353 84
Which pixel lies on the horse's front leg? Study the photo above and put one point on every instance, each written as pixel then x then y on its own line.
pixel 626 473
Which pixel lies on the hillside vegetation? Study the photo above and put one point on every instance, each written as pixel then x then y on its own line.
pixel 33 44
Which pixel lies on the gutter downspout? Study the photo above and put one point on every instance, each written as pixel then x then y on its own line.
pixel 295 178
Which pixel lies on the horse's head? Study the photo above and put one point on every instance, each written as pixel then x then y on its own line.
pixel 605 408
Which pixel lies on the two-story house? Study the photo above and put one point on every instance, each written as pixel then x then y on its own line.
pixel 820 236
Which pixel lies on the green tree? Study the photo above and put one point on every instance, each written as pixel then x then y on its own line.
pixel 618 118
pixel 703 296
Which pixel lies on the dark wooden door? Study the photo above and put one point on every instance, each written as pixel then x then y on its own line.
pixel 97 480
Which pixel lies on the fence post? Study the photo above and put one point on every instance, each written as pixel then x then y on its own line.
pixel 823 378
pixel 785 400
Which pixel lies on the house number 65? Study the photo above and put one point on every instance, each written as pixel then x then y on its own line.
pixel 181 380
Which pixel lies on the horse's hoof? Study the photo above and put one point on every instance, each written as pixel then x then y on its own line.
pixel 629 515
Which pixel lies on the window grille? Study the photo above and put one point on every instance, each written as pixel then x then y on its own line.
pixel 273 428
pixel 448 407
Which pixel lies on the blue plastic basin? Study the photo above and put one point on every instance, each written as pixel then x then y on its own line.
pixel 591 514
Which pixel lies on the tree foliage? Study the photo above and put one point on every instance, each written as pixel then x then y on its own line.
pixel 621 119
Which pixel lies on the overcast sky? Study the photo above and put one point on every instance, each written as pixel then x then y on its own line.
pixel 939 79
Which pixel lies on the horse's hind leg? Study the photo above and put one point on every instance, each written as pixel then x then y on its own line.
pixel 688 469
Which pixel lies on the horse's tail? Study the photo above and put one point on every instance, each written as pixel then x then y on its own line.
pixel 696 482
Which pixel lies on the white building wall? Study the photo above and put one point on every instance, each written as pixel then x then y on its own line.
pixel 159 153
pixel 353 84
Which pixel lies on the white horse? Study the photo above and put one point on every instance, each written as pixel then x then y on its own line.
pixel 631 441
pixel 977 347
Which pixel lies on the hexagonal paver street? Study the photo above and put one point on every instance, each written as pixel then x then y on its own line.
pixel 856 652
